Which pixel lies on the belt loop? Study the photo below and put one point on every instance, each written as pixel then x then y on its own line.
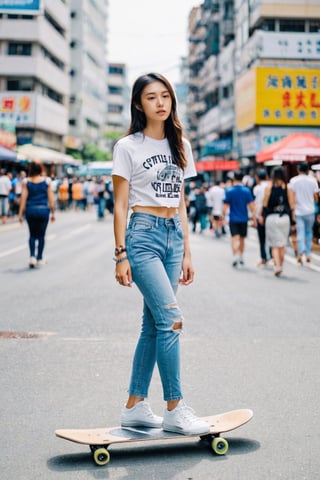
pixel 157 222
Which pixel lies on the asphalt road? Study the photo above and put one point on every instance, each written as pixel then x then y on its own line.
pixel 251 341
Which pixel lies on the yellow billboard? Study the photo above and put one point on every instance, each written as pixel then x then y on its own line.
pixel 280 96
pixel 287 96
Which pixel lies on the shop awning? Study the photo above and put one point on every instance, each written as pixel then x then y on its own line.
pixel 6 154
pixel 46 155
pixel 296 147
pixel 211 165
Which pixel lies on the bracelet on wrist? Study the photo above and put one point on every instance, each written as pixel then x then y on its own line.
pixel 119 250
pixel 119 260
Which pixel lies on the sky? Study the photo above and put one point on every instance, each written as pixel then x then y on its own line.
pixel 149 35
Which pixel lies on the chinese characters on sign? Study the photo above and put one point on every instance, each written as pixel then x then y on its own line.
pixel 288 96
pixel 16 109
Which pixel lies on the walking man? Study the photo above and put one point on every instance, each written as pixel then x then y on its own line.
pixel 306 193
pixel 258 193
pixel 238 199
pixel 215 197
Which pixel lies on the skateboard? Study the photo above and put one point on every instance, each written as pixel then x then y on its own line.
pixel 99 439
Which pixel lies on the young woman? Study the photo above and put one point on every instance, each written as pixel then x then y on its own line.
pixel 37 200
pixel 150 165
pixel 278 211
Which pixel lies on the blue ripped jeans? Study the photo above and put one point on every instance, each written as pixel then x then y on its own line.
pixel 155 250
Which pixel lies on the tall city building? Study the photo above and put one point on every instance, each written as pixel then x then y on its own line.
pixel 254 74
pixel 117 104
pixel 34 73
pixel 277 59
pixel 88 71
pixel 117 98
pixel 211 77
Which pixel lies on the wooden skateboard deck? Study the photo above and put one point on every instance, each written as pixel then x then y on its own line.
pixel 99 439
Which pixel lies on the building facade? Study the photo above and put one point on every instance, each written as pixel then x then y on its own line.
pixel 117 98
pixel 88 71
pixel 117 104
pixel 34 74
pixel 254 74
pixel 277 53
pixel 211 79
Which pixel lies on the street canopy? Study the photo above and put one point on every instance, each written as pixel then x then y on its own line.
pixel 211 165
pixel 46 155
pixel 296 147
pixel 6 154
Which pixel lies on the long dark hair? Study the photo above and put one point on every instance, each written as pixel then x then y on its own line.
pixel 173 128
pixel 278 175
pixel 36 168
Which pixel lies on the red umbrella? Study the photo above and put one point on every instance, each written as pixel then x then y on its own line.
pixel 296 147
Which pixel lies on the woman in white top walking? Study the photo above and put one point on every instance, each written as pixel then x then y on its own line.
pixel 150 165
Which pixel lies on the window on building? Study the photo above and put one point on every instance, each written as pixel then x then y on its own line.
pixel 50 93
pixel 57 97
pixel 212 99
pixel 54 24
pixel 92 59
pixel 212 40
pixel 52 58
pixel 12 16
pixel 227 91
pixel 268 25
pixel 91 124
pixel 228 10
pixel 20 84
pixel 114 90
pixel 73 122
pixel 113 69
pixel 291 25
pixel 15 48
pixel 314 26
pixel 115 108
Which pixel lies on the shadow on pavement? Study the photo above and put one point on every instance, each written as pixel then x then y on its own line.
pixel 189 454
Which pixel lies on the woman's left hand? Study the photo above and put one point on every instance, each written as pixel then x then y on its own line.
pixel 123 273
pixel 187 272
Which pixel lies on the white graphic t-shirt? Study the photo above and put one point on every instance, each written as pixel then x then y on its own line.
pixel 147 165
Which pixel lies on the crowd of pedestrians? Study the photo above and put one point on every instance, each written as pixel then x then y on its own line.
pixel 84 193
pixel 279 210
pixel 69 192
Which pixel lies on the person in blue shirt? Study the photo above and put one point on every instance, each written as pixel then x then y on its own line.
pixel 238 200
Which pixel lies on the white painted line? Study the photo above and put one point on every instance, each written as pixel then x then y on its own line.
pixel 77 231
pixel 23 247
pixel 49 238
pixel 290 259
pixel 13 250
pixel 310 265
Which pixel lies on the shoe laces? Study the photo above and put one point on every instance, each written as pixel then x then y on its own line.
pixel 187 413
pixel 147 410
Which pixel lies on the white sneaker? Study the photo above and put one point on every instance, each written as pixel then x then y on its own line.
pixel 182 420
pixel 41 262
pixel 140 415
pixel 32 262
